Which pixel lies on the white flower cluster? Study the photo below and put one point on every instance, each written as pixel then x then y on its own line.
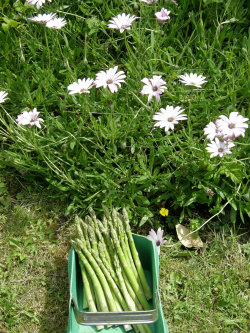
pixel 50 20
pixel 223 131
pixel 110 78
pixel 153 87
pixel 124 21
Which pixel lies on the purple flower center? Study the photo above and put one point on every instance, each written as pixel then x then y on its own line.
pixel 170 119
pixel 158 243
pixel 109 81
pixel 155 88
pixel 34 118
pixel 124 26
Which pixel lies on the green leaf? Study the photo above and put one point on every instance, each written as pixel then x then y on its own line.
pixel 142 201
pixel 14 243
pixel 233 171
pixel 72 145
pixel 145 213
pixel 9 24
pixel 233 215
pixel 191 200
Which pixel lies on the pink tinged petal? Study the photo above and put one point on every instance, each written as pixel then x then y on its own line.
pixel 151 238
pixel 153 235
pixel 158 97
pixel 159 234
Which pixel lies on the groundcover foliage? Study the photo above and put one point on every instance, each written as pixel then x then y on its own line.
pixel 101 148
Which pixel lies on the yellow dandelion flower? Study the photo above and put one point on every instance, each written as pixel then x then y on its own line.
pixel 164 212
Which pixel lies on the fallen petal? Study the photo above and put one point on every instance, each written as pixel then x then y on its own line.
pixel 186 239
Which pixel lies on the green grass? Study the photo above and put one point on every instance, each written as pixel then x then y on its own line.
pixel 201 291
pixel 33 266
pixel 207 290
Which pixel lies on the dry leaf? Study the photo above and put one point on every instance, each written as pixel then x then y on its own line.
pixel 188 241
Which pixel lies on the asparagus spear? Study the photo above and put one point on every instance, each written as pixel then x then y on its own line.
pixel 122 278
pixel 129 273
pixel 89 294
pixel 99 291
pixel 100 275
pixel 125 245
pixel 135 255
pixel 113 283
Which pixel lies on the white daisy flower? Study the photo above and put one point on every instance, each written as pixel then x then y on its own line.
pixel 169 117
pixel 121 22
pixel 157 238
pixel 212 131
pixel 38 3
pixel 42 18
pixel 218 147
pixel 56 23
pixel 110 79
pixel 29 119
pixel 163 15
pixel 193 80
pixel 81 86
pixel 233 126
pixel 3 95
pixel 153 87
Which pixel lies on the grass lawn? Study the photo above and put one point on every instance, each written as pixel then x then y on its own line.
pixel 206 290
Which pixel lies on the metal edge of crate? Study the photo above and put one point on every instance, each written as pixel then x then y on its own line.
pixel 115 318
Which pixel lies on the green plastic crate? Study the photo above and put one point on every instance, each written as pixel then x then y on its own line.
pixel 150 261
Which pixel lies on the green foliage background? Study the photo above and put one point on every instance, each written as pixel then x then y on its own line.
pixel 100 148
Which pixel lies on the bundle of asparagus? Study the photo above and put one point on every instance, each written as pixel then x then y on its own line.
pixel 112 273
